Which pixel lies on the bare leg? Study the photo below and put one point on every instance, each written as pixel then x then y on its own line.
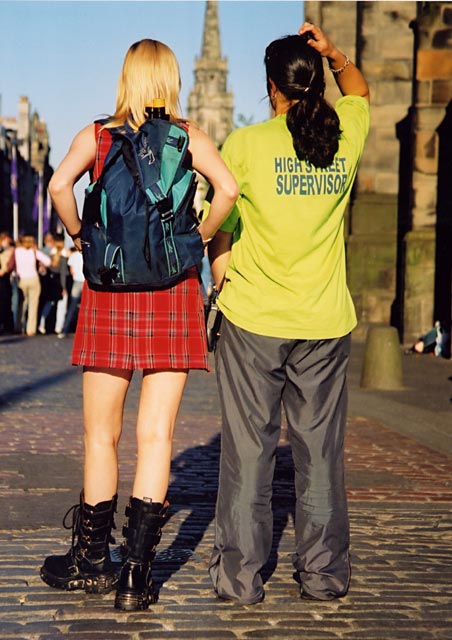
pixel 104 394
pixel 160 399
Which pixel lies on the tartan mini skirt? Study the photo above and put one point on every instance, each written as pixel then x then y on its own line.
pixel 160 329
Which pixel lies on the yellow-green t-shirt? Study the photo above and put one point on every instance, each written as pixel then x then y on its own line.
pixel 287 275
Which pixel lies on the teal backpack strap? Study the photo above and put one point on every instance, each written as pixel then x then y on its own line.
pixel 173 153
pixel 166 215
pixel 172 157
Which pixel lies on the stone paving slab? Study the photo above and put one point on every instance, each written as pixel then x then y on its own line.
pixel 400 510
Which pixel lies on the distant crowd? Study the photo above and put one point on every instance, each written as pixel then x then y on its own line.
pixel 40 288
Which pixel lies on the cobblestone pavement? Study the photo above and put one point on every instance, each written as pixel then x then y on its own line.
pixel 400 493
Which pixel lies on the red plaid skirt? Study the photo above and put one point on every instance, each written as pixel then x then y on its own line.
pixel 162 329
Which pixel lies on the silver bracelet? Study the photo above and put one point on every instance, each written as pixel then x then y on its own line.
pixel 336 72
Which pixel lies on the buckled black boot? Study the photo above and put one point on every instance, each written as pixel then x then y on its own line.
pixel 142 533
pixel 87 564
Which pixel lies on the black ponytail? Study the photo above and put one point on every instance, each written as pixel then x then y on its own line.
pixel 297 71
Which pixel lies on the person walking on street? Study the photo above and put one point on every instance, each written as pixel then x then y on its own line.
pixel 161 332
pixel 6 313
pixel 75 264
pixel 49 244
pixel 24 263
pixel 53 284
pixel 285 335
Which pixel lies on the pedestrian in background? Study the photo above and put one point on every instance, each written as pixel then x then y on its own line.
pixel 66 284
pixel 161 332
pixel 75 265
pixel 285 337
pixel 6 253
pixel 53 285
pixel 48 245
pixel 25 262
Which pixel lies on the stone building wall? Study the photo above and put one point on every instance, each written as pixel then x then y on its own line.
pixel 427 245
pixel 29 135
pixel 404 50
pixel 377 36
pixel 384 51
pixel 433 92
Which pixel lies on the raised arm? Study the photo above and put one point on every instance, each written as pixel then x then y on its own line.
pixel 348 77
pixel 208 162
pixel 78 160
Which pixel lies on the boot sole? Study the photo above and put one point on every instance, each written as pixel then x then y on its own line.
pixel 130 601
pixel 101 584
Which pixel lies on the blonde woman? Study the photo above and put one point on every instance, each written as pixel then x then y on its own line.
pixel 111 342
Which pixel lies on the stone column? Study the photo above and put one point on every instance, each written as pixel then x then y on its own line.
pixel 432 92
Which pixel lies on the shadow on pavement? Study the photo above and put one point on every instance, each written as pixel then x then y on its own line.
pixel 18 394
pixel 194 488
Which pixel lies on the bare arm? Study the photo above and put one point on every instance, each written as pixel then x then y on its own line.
pixel 208 162
pixel 219 250
pixel 78 160
pixel 350 80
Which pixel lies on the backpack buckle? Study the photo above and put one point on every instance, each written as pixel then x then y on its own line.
pixel 165 210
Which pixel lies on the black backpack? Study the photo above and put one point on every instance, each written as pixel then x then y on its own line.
pixel 139 228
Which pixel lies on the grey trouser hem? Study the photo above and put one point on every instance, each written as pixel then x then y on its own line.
pixel 256 376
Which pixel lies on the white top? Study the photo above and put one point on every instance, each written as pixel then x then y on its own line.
pixel 26 261
pixel 75 264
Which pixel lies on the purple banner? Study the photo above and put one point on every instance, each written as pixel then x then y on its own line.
pixel 46 214
pixel 35 212
pixel 14 179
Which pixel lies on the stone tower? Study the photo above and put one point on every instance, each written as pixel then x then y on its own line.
pixel 23 127
pixel 209 103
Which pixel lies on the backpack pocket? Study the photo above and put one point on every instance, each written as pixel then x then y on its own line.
pixel 113 270
pixel 103 263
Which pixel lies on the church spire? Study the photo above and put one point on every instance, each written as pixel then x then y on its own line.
pixel 210 104
pixel 211 49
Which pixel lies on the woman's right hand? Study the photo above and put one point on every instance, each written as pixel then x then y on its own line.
pixel 348 77
pixel 321 42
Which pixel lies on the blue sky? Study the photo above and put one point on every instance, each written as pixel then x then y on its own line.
pixel 66 56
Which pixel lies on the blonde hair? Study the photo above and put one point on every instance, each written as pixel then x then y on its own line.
pixel 150 70
pixel 59 248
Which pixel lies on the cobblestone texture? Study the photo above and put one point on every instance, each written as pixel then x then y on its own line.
pixel 400 496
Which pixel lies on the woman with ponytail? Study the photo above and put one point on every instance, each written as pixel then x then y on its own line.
pixel 288 315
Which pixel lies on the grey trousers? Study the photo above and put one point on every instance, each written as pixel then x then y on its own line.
pixel 258 375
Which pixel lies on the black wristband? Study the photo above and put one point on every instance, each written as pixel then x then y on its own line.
pixel 76 236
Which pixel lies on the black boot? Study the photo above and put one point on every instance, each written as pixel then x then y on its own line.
pixel 87 564
pixel 142 534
